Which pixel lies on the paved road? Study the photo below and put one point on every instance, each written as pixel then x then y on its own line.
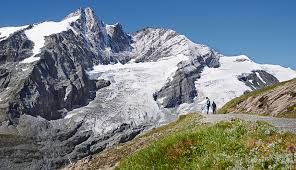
pixel 281 123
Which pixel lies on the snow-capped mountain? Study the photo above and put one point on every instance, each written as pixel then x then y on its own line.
pixel 79 85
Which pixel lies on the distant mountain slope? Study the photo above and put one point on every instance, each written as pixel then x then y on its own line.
pixel 276 100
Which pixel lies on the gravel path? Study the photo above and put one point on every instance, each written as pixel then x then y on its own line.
pixel 281 123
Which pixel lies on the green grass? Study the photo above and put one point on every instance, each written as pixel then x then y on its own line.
pixel 235 144
pixel 111 156
pixel 292 108
pixel 228 107
pixel 182 123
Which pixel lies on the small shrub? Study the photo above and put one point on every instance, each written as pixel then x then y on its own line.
pixel 292 108
pixel 293 94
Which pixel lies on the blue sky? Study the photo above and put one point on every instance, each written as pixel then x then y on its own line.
pixel 265 30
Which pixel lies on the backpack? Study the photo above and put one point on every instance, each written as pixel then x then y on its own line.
pixel 214 105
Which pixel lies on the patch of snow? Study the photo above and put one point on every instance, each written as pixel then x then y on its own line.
pixel 281 73
pixel 258 75
pixel 161 100
pixel 25 69
pixel 38 33
pixel 5 32
pixel 111 26
pixel 68 90
pixel 30 59
pixel 68 116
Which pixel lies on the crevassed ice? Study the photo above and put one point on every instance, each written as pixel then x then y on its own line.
pixel 143 79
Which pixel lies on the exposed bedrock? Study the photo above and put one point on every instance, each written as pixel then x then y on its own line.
pixel 258 79
pixel 56 83
pixel 40 144
pixel 181 89
pixel 15 48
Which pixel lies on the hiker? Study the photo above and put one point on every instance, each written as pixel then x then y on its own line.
pixel 208 104
pixel 214 107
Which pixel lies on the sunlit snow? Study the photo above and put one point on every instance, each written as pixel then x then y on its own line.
pixel 221 84
pixel 5 32
pixel 39 31
pixel 129 97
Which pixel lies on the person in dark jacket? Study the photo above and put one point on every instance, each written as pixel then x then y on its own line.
pixel 214 107
pixel 208 104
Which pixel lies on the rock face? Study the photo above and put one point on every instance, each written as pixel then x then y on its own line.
pixel 152 44
pixel 15 48
pixel 72 88
pixel 181 89
pixel 258 79
pixel 278 100
pixel 108 43
pixel 40 144
pixel 58 81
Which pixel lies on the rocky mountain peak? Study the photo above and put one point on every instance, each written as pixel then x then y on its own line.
pixel 82 12
pixel 78 12
pixel 92 28
pixel 88 18
pixel 100 37
pixel 113 28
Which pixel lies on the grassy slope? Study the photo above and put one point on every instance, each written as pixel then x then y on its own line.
pixel 233 103
pixel 108 158
pixel 223 145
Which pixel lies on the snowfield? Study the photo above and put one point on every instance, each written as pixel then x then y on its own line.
pixel 221 84
pixel 39 31
pixel 5 32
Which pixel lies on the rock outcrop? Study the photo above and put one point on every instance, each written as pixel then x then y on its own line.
pixel 276 100
pixel 258 79
pixel 181 89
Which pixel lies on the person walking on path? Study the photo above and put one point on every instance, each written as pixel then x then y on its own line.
pixel 214 107
pixel 208 104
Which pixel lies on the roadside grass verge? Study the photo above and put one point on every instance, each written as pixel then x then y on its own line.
pixel 226 145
